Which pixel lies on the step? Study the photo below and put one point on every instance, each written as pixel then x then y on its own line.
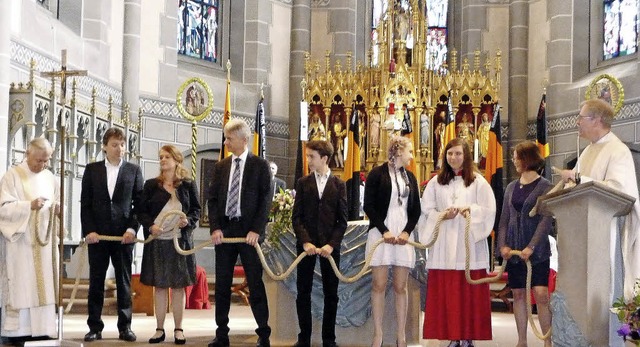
pixel 110 307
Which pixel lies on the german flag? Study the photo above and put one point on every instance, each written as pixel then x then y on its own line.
pixel 541 135
pixel 352 165
pixel 227 115
pixel 259 135
pixel 450 124
pixel 494 163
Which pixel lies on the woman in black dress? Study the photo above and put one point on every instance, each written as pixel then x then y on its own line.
pixel 162 266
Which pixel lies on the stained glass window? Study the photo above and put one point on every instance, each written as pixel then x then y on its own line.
pixel 198 28
pixel 437 33
pixel 620 28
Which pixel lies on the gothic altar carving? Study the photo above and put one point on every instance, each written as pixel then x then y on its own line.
pixel 401 88
pixel 35 111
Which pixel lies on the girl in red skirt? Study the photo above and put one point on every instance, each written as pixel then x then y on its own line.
pixel 456 310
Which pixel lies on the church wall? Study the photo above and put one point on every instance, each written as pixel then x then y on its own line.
pixel 538 40
pixel 115 39
pixel 151 50
pixel 321 38
pixel 494 38
pixel 278 74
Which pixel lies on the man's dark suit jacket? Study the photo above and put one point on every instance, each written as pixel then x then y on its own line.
pixel 276 184
pixel 104 215
pixel 255 195
pixel 320 221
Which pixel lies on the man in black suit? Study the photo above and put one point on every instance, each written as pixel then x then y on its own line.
pixel 238 199
pixel 111 189
pixel 276 183
pixel 319 220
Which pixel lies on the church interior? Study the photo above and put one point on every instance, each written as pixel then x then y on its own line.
pixel 172 71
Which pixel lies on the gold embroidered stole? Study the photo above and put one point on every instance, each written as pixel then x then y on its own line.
pixel 37 249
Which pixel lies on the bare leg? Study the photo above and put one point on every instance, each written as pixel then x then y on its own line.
pixel 160 306
pixel 544 314
pixel 379 274
pixel 400 277
pixel 177 305
pixel 520 314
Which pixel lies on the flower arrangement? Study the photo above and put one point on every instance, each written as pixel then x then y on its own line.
pixel 280 215
pixel 629 315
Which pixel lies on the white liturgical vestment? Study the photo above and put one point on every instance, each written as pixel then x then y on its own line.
pixel 28 272
pixel 609 161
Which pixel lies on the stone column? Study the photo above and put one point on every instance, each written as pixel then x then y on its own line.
pixel 518 74
pixel 560 16
pixel 474 13
pixel 5 79
pixel 300 43
pixel 342 23
pixel 257 47
pixel 131 58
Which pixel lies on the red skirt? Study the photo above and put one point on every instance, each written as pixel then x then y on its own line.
pixel 455 309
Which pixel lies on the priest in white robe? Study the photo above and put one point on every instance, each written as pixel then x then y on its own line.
pixel 28 246
pixel 609 161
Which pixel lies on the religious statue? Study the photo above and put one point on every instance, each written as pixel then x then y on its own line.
pixel 424 129
pixel 483 135
pixel 316 129
pixel 337 136
pixel 465 130
pixel 401 23
pixel 439 133
pixel 194 101
pixel 374 129
pixel 362 129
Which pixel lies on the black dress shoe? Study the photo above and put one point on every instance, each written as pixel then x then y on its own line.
pixel 263 342
pixel 329 344
pixel 159 338
pixel 219 342
pixel 127 335
pixel 176 340
pixel 92 336
pixel 301 344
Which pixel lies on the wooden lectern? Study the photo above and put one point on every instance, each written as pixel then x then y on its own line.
pixel 584 215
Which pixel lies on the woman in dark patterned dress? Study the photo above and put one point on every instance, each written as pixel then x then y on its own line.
pixel 162 266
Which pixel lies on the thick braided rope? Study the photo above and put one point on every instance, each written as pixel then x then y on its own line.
pixel 467 274
pixel 83 254
pixel 35 214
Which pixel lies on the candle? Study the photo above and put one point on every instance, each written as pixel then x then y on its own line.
pixel 578 154
pixel 475 150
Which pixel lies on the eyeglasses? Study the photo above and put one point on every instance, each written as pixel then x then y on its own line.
pixel 586 117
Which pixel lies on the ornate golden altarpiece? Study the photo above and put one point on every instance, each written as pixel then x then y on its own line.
pixel 401 82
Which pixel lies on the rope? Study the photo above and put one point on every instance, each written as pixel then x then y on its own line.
pixel 84 247
pixel 341 277
pixel 467 273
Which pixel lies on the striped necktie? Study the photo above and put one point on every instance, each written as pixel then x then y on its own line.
pixel 234 192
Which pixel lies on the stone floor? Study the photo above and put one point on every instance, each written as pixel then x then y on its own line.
pixel 199 330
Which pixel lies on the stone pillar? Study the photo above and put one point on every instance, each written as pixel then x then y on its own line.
pixel 5 80
pixel 560 16
pixel 131 58
pixel 342 23
pixel 474 13
pixel 300 43
pixel 518 74
pixel 257 48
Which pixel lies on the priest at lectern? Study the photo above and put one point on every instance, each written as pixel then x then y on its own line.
pixel 608 160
